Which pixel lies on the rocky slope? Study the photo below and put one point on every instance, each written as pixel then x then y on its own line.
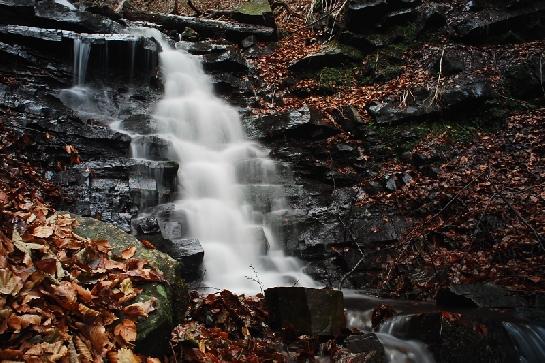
pixel 386 133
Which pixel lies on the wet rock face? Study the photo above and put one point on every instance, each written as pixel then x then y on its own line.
pixel 305 123
pixel 460 340
pixel 365 348
pixel 116 190
pixel 108 53
pixel 306 311
pixel 50 14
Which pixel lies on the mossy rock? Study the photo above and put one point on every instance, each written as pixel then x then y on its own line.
pixel 256 12
pixel 172 296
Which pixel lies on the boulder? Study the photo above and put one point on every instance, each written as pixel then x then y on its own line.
pixel 525 79
pixel 305 123
pixel 364 348
pixel 451 63
pixel 228 61
pixel 462 97
pixel 189 252
pixel 484 295
pixel 462 339
pixel 503 25
pixel 172 295
pixel 256 12
pixel 365 343
pixel 362 15
pixel 330 56
pixel 349 119
pixel 361 42
pixel 317 312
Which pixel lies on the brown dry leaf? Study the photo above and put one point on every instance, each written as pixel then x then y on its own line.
pixel 150 246
pixel 82 349
pixel 70 149
pixel 65 295
pixel 128 252
pixel 99 338
pixel 3 198
pixel 140 309
pixel 102 245
pixel 153 360
pixel 25 247
pixel 126 330
pixel 125 355
pixel 10 284
pixel 18 322
pixel 51 352
pixel 83 293
pixel 43 231
pixel 47 265
pixel 87 311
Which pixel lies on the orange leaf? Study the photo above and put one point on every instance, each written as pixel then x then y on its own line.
pixel 126 330
pixel 128 252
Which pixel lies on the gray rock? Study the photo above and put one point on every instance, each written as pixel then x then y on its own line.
pixel 503 25
pixel 365 343
pixel 330 56
pixel 305 123
pixel 479 295
pixel 153 147
pixel 524 80
pixel 256 12
pixel 189 252
pixel 306 311
pixel 60 44
pixel 362 15
pixel 228 61
pixel 464 97
pixel 116 189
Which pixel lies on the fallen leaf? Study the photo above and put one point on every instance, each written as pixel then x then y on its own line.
pixel 128 252
pixel 126 330
pixel 43 231
pixel 140 309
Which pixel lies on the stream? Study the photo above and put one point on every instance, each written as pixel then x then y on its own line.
pixel 229 192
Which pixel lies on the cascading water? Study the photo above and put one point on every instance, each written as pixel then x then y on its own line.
pixel 81 58
pixel 241 252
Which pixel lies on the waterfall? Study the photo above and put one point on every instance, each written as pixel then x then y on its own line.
pixel 529 340
pixel 81 58
pixel 225 180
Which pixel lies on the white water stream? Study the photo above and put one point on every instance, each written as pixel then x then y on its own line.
pixel 218 168
pixel 228 191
